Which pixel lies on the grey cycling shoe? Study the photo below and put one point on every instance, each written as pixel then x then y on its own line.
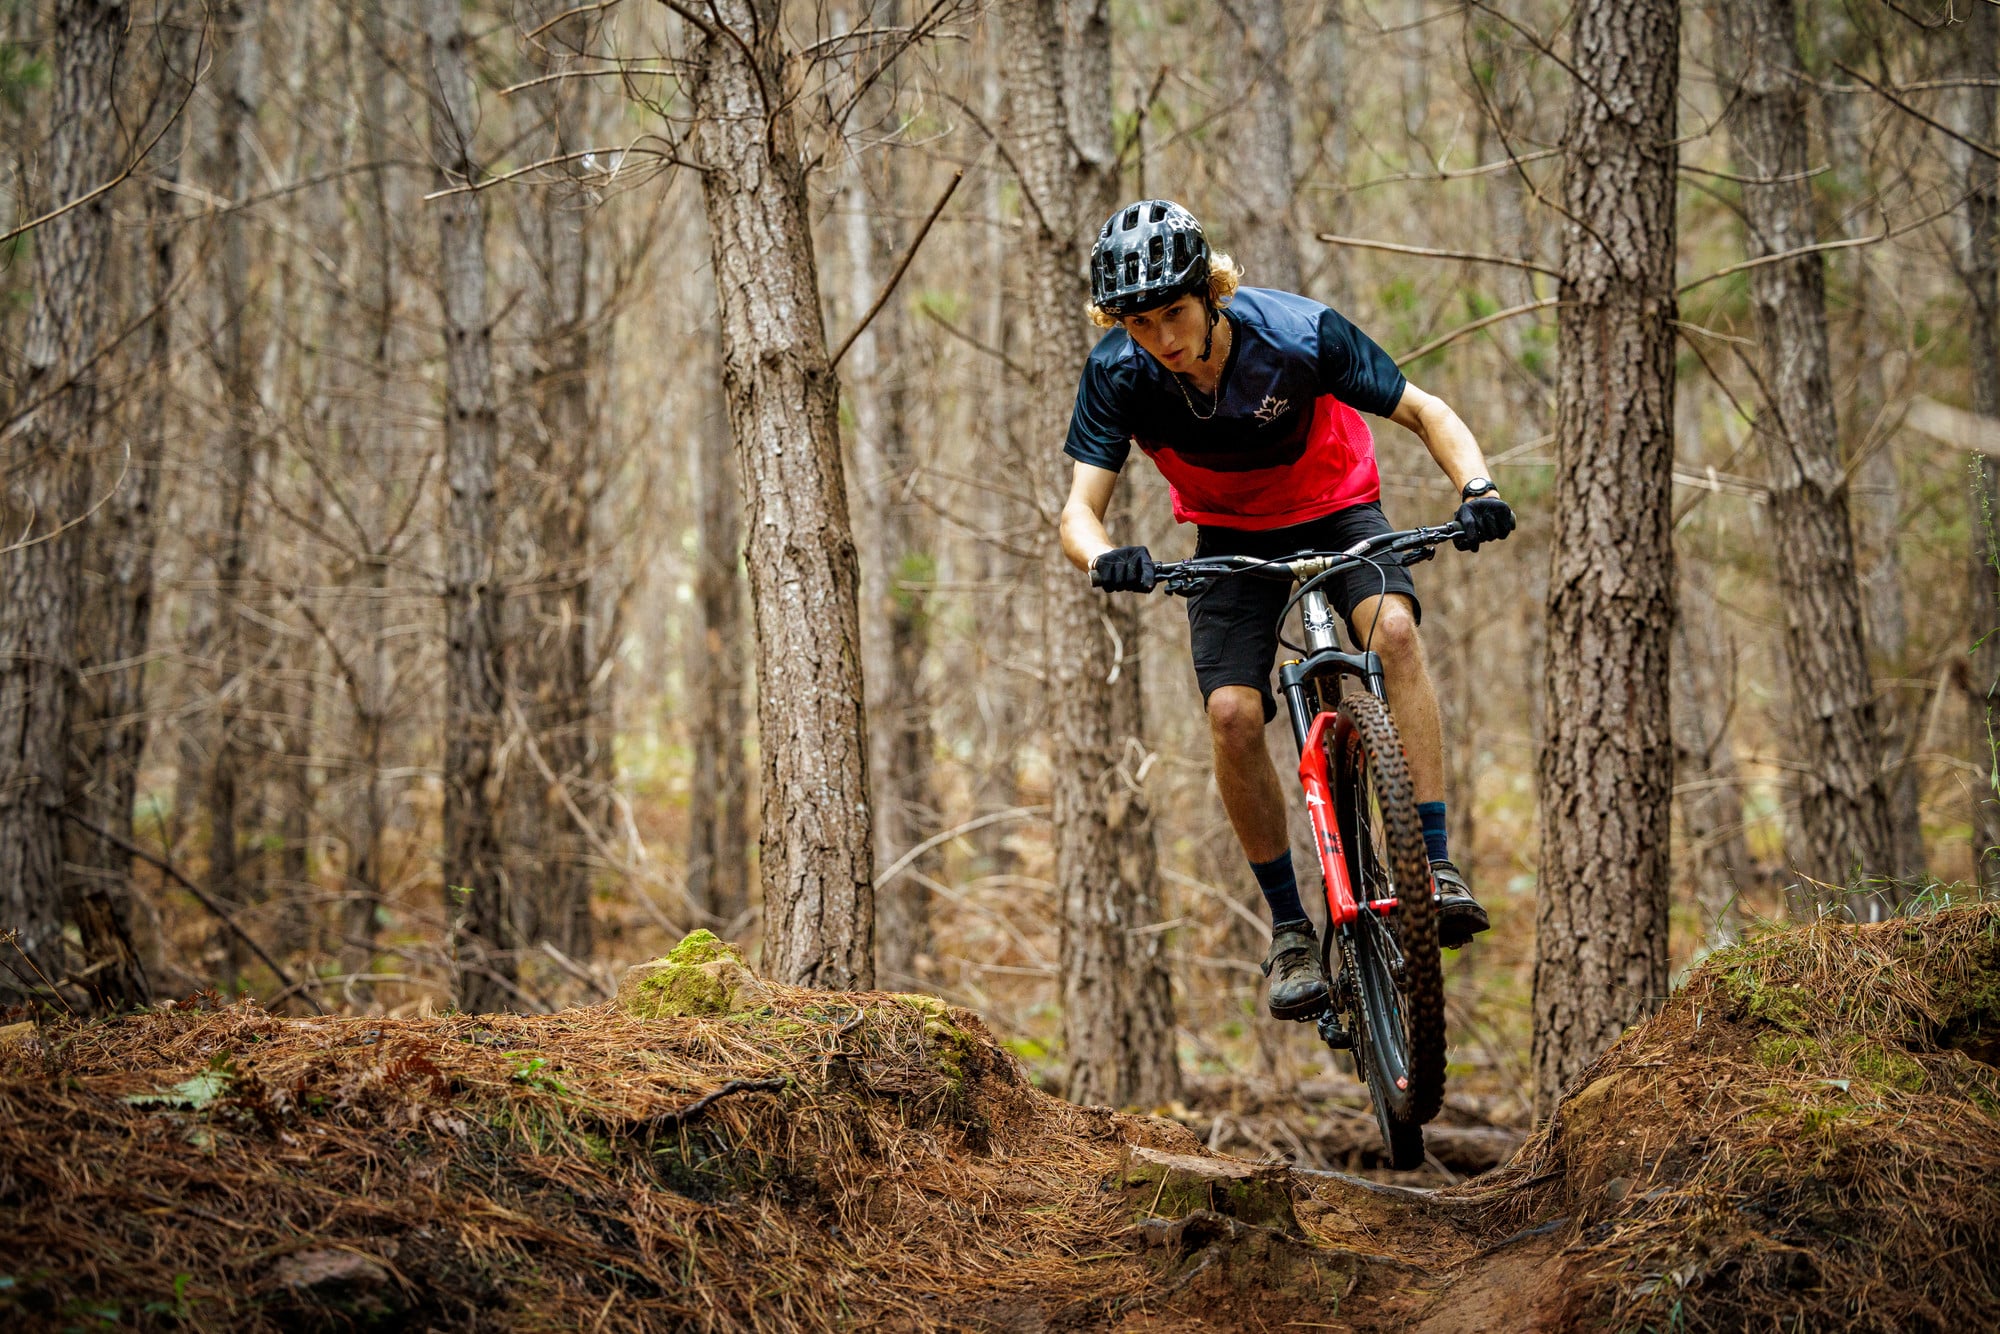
pixel 1460 917
pixel 1298 979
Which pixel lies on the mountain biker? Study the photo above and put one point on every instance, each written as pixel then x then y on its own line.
pixel 1249 402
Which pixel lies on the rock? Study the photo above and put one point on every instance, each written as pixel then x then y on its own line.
pixel 703 975
pixel 1174 1185
pixel 329 1289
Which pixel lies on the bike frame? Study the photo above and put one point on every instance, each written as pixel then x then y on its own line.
pixel 1310 724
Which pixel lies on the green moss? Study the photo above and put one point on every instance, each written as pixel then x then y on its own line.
pixel 680 991
pixel 703 946
pixel 1787 1008
pixel 1881 1065
pixel 1782 1051
pixel 694 979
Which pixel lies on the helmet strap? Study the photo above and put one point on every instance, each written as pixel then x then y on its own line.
pixel 1208 343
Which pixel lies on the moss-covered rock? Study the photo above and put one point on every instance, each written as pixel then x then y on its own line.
pixel 703 975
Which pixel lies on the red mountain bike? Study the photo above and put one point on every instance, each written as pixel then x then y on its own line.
pixel 1381 945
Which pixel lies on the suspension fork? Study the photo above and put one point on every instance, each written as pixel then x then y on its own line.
pixel 1300 680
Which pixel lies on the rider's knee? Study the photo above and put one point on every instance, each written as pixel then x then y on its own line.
pixel 1395 632
pixel 1236 718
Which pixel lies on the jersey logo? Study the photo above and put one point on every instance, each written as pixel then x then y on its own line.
pixel 1271 409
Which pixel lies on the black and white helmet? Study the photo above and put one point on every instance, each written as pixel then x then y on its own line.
pixel 1146 255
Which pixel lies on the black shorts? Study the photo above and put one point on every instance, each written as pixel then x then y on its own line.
pixel 1233 623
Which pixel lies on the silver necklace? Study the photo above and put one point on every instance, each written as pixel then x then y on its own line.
pixel 1215 399
pixel 1215 405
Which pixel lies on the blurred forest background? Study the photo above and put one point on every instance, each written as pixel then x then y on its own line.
pixel 310 216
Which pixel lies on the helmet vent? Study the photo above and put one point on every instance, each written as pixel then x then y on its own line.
pixel 1159 212
pixel 1131 269
pixel 1131 219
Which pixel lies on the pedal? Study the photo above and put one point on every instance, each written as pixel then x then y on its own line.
pixel 1334 1033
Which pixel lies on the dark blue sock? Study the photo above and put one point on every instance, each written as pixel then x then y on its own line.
pixel 1432 814
pixel 1281 889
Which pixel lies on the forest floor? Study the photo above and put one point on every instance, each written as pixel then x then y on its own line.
pixel 1808 1134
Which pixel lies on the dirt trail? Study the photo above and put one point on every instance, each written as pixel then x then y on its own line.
pixel 1811 1128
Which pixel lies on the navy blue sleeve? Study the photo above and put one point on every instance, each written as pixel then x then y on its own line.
pixel 1097 432
pixel 1354 370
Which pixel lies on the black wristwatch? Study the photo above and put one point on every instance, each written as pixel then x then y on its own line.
pixel 1477 487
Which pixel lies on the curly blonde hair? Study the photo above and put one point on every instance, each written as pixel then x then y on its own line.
pixel 1225 275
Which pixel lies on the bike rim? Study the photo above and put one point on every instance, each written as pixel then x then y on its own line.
pixel 1383 1026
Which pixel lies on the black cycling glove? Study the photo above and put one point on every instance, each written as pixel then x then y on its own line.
pixel 1124 570
pixel 1484 518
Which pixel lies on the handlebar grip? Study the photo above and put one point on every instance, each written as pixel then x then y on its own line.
pixel 1096 577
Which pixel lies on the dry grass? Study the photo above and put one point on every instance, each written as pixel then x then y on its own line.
pixel 1808 1136
pixel 525 1172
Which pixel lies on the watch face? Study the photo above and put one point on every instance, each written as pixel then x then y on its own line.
pixel 1478 486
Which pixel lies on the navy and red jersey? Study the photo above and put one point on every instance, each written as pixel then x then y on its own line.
pixel 1286 443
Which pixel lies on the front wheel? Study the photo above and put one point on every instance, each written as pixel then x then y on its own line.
pixel 1395 977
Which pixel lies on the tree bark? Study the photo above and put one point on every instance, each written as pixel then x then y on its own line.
pixel 1843 834
pixel 228 651
pixel 1117 998
pixel 475 888
pixel 110 720
pixel 1707 782
pixel 1876 494
pixel 718 863
pixel 45 480
pixel 894 616
pixel 1607 759
pixel 1263 157
pixel 816 850
pixel 555 642
pixel 1978 264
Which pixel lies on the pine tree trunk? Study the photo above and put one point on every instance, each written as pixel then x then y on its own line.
pixel 110 720
pixel 1117 1000
pixel 1706 778
pixel 1263 158
pixel 1607 758
pixel 893 615
pixel 475 890
pixel 817 858
pixel 1843 832
pixel 1877 493
pixel 555 642
pixel 228 650
pixel 718 861
pixel 45 477
pixel 1978 265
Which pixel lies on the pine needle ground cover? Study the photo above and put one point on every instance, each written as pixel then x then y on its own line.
pixel 1808 1136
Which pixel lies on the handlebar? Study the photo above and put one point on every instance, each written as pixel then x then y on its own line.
pixel 1407 547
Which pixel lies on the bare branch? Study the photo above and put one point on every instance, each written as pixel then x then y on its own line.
pixel 1462 330
pixel 896 277
pixel 1986 150
pixel 1393 247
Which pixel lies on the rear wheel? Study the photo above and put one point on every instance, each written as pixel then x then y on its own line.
pixel 1396 980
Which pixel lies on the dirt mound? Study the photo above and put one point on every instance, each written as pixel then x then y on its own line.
pixel 711 1152
pixel 1809 1135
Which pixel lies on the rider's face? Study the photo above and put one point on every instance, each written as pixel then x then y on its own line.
pixel 1173 334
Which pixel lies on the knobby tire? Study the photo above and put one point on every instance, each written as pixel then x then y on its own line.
pixel 1384 846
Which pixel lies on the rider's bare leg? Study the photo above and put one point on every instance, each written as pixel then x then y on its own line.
pixel 1412 697
pixel 1243 771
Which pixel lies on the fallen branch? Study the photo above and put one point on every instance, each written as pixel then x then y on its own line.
pixel 680 1116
